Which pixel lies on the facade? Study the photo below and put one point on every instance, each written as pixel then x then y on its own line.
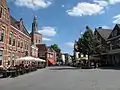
pixel 63 58
pixel 110 40
pixel 15 41
pixel 46 53
pixel 76 51
pixel 34 51
pixel 36 38
pixel 51 56
pixel 114 46
pixel 102 35
pixel 42 49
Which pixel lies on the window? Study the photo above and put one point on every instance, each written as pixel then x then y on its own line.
pixel 0 12
pixel 39 41
pixel 26 46
pixel 2 36
pixel 10 38
pixel 14 41
pixel 1 56
pixel 48 55
pixel 21 44
pixel 26 53
pixel 36 40
pixel 13 59
pixel 51 56
pixel 18 43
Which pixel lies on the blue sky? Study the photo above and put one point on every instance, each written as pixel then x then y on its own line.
pixel 62 21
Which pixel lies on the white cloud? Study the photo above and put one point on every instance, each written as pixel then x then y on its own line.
pixel 46 39
pixel 70 44
pixel 117 19
pixel 102 3
pixel 33 4
pixel 48 31
pixel 106 2
pixel 114 1
pixel 85 8
pixel 106 27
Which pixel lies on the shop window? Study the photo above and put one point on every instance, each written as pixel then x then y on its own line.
pixel 13 58
pixel 1 35
pixel 8 62
pixel 1 56
pixel 26 53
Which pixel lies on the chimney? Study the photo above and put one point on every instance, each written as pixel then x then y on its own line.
pixel 9 10
pixel 21 24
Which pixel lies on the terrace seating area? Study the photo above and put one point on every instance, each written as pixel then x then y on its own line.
pixel 22 66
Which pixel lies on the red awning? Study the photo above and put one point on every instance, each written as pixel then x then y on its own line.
pixel 51 61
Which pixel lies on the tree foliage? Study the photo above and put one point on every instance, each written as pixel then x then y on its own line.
pixel 56 48
pixel 88 44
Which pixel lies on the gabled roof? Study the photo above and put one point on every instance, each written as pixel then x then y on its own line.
pixel 16 24
pixel 118 25
pixel 104 33
pixel 49 49
pixel 25 31
pixel 42 47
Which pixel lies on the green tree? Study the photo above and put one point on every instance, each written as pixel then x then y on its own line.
pixel 57 49
pixel 88 43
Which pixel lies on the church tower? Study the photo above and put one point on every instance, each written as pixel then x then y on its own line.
pixel 36 37
pixel 34 25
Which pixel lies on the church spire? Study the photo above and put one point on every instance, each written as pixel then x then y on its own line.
pixel 34 25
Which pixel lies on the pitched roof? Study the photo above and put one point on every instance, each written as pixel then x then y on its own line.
pixel 16 24
pixel 118 25
pixel 42 47
pixel 50 49
pixel 104 32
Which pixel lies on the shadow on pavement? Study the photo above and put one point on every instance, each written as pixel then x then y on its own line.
pixel 63 68
pixel 112 68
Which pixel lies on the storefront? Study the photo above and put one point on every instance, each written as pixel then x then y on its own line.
pixel 1 56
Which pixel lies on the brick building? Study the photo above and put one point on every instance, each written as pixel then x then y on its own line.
pixel 15 41
pixel 46 53
pixel 51 56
